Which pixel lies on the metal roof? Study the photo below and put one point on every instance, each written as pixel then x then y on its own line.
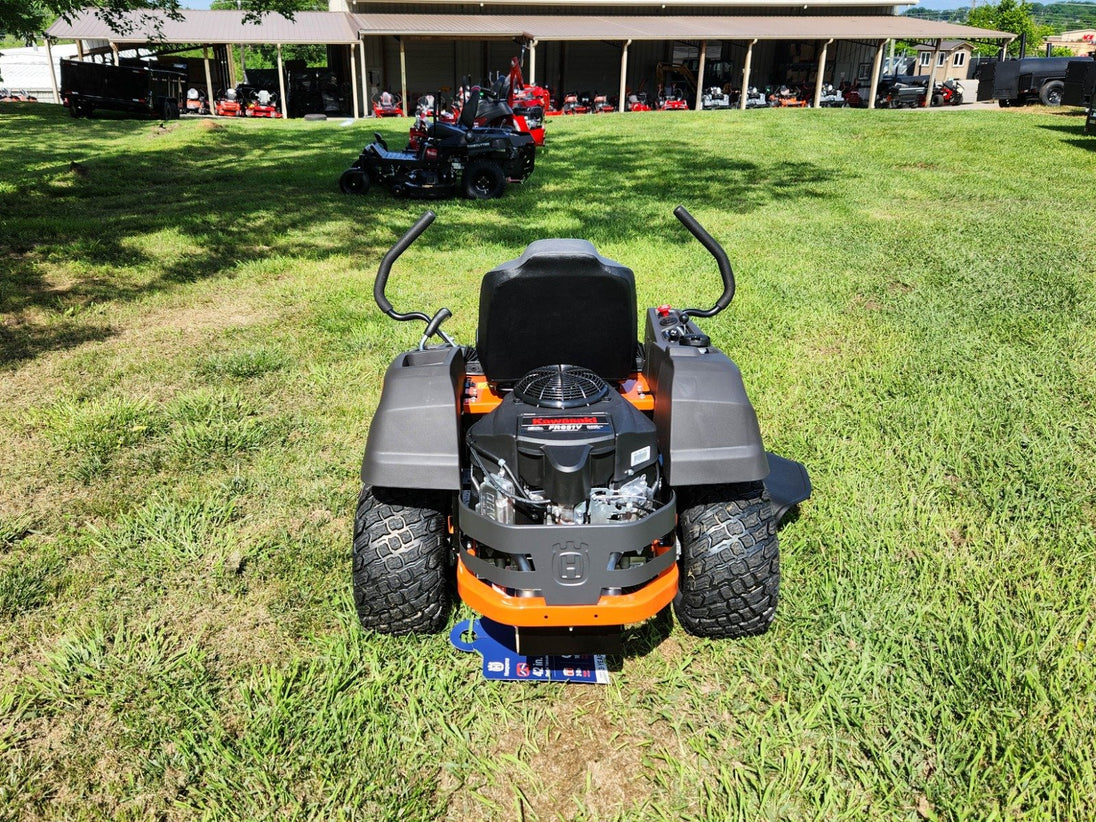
pixel 581 27
pixel 340 27
pixel 212 27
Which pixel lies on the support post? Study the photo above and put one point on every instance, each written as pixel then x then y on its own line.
pixel 623 75
pixel 281 83
pixel 114 51
pixel 700 74
pixel 876 66
pixel 52 74
pixel 403 75
pixel 365 78
pixel 821 70
pixel 532 63
pixel 230 55
pixel 209 81
pixel 354 82
pixel 932 72
pixel 746 75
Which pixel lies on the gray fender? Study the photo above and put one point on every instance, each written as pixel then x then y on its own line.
pixel 414 439
pixel 707 428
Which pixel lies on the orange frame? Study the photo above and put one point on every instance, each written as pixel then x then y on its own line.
pixel 534 612
pixel 480 398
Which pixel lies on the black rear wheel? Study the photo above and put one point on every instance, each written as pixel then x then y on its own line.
pixel 484 180
pixel 401 560
pixel 354 181
pixel 730 561
pixel 1051 93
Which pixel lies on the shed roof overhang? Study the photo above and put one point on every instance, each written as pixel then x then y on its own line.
pixel 343 28
pixel 571 28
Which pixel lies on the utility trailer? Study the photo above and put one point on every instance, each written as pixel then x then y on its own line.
pixel 148 92
pixel 1023 81
pixel 1080 83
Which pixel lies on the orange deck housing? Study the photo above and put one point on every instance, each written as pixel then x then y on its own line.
pixel 534 612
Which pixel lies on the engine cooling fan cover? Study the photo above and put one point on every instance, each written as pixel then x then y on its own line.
pixel 561 386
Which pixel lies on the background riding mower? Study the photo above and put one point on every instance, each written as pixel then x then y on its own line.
pixel 578 480
pixel 480 161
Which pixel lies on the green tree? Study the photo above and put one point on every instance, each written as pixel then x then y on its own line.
pixel 1009 15
pixel 266 56
pixel 27 19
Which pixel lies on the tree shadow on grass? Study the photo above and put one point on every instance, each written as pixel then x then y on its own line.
pixel 1084 141
pixel 123 209
pixel 23 341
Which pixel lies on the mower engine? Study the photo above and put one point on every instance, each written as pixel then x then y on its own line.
pixel 563 449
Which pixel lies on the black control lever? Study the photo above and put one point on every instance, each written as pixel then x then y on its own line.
pixel 433 324
pixel 434 327
pixel 716 250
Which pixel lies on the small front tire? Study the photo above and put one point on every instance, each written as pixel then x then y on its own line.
pixel 401 560
pixel 354 181
pixel 484 180
pixel 730 561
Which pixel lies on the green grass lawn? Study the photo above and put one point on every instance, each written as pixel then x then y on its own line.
pixel 190 355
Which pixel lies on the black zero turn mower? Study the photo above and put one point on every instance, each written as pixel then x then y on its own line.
pixel 576 479
pixel 445 159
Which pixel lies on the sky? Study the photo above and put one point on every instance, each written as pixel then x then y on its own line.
pixel 925 4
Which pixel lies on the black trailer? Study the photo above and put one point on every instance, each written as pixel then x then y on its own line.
pixel 148 92
pixel 1027 80
pixel 1080 83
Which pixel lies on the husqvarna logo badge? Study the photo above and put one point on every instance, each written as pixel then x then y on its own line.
pixel 571 563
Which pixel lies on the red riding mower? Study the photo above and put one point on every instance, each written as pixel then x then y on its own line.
pixel 529 104
pixel 258 102
pixel 672 99
pixel 387 104
pixel 227 104
pixel 947 93
pixel 602 104
pixel 196 102
pixel 576 104
pixel 637 101
pixel 575 479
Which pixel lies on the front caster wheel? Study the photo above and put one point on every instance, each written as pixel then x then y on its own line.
pixel 730 561
pixel 401 560
pixel 354 181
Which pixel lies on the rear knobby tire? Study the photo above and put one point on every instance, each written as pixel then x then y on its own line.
pixel 484 180
pixel 730 561
pixel 401 560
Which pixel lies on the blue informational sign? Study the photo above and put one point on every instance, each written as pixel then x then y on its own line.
pixel 492 640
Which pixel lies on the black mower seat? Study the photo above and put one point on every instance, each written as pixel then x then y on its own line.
pixel 559 303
